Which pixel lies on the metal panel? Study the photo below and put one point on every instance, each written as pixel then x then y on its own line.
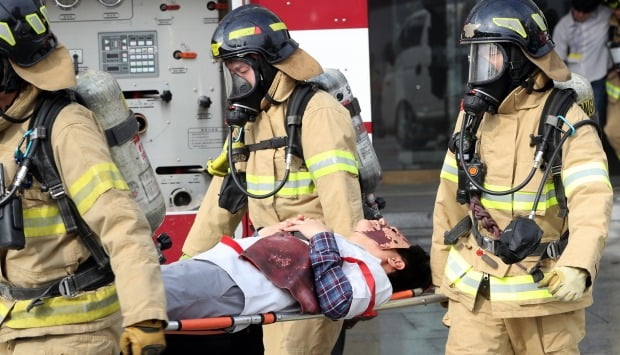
pixel 160 55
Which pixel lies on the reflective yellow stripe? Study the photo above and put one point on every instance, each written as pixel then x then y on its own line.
pixel 520 200
pixel 513 24
pixel 299 183
pixel 95 181
pixel 60 310
pixel 215 48
pixel 43 10
pixel 449 171
pixel 612 90
pixel 516 288
pixel 43 221
pixel 242 32
pixel 36 23
pixel 462 275
pixel 6 34
pixel 278 26
pixel 330 162
pixel 509 288
pixel 585 174
pixel 539 21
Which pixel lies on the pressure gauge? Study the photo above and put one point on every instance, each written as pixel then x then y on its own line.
pixel 66 4
pixel 110 3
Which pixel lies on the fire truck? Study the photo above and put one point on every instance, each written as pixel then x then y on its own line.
pixel 159 53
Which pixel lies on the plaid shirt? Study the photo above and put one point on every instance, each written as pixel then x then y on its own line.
pixel 333 289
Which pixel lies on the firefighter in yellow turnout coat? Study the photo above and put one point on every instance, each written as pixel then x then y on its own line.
pixel 35 317
pixel 264 65
pixel 495 305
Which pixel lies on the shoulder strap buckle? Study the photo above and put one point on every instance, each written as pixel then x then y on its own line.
pixel 57 191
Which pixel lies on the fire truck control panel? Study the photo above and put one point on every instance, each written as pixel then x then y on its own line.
pixel 159 52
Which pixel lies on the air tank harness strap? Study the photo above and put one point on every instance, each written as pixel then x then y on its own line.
pixel 273 143
pixel 122 132
pixel 354 107
pixel 50 106
pixel 87 277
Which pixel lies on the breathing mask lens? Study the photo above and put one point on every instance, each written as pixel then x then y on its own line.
pixel 240 78
pixel 487 62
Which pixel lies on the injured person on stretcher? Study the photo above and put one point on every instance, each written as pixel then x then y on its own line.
pixel 274 271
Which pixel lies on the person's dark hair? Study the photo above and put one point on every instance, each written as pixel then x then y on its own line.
pixel 585 5
pixel 417 272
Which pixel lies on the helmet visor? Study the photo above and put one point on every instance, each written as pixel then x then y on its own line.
pixel 240 78
pixel 487 62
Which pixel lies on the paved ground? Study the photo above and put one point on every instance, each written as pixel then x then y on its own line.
pixel 418 330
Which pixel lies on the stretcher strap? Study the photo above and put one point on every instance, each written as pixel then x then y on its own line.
pixel 370 281
pixel 226 240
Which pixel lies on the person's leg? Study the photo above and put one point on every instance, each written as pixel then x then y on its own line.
pixel 600 100
pixel 200 289
pixel 102 342
pixel 303 337
pixel 554 334
pixel 476 332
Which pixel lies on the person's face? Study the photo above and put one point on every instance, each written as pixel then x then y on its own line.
pixel 486 63
pixel 580 16
pixel 241 69
pixel 384 235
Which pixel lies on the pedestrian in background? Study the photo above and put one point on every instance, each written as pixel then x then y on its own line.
pixel 581 41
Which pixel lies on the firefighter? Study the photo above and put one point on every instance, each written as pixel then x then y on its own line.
pixel 262 66
pixel 55 296
pixel 612 126
pixel 516 281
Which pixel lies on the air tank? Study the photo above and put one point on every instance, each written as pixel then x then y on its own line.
pixel 101 93
pixel 334 82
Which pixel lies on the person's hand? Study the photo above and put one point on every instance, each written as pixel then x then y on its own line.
pixel 144 338
pixel 279 227
pixel 307 227
pixel 565 282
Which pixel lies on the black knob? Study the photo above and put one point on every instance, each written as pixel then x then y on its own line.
pixel 204 101
pixel 166 96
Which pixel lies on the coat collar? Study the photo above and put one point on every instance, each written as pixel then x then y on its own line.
pixel 520 99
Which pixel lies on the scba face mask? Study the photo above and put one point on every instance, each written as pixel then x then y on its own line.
pixel 488 76
pixel 243 84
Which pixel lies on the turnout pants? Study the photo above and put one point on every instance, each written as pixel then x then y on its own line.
pixel 102 342
pixel 477 332
pixel 302 337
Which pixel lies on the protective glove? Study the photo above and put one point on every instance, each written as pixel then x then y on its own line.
pixel 565 282
pixel 144 338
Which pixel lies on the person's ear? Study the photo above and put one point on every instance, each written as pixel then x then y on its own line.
pixel 396 262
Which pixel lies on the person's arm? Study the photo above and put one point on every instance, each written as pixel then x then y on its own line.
pixel 332 287
pixel 330 153
pixel 446 213
pixel 211 222
pixel 94 183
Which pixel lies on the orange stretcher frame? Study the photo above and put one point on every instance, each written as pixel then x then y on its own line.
pixel 218 325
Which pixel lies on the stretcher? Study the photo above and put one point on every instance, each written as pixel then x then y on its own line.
pixel 218 325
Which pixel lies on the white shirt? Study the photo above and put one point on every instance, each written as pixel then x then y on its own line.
pixel 583 45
